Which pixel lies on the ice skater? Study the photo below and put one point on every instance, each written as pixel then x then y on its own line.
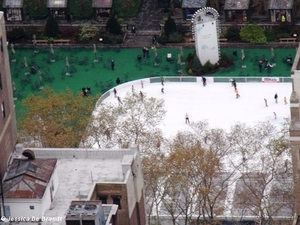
pixel 204 81
pixel 285 101
pixel 233 83
pixel 119 100
pixel 187 119
pixel 162 90
pixel 237 93
pixel 276 97
pixel 132 89
pixel 115 92
pixel 142 84
pixel 275 116
pixel 266 102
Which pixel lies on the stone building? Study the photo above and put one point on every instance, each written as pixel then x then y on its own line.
pixel 295 131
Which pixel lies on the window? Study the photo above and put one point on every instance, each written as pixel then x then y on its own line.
pixel 31 207
pixel 0 82
pixel 1 44
pixel 103 199
pixel 117 201
pixel 3 110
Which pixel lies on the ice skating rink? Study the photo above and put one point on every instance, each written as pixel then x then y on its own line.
pixel 215 103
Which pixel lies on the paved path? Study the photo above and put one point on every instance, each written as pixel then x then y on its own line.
pixel 147 24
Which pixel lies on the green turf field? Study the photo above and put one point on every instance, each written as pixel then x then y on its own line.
pixel 99 76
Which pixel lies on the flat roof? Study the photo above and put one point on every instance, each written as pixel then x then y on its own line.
pixel 281 4
pixel 28 178
pixel 57 3
pixel 102 3
pixel 77 177
pixel 12 3
pixel 193 3
pixel 236 4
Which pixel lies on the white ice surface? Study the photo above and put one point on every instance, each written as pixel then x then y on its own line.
pixel 216 103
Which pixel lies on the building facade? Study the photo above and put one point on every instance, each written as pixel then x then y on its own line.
pixel 8 130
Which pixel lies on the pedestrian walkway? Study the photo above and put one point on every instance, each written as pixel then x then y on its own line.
pixel 147 24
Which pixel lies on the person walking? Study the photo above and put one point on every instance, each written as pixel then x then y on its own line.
pixel 269 68
pixel 237 93
pixel 276 97
pixel 112 64
pixel 285 101
pixel 204 81
pixel 115 92
pixel 187 119
pixel 266 102
pixel 260 65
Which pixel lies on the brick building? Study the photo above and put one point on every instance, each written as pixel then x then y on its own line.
pixel 8 130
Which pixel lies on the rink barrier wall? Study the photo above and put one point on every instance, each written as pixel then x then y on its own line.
pixel 146 81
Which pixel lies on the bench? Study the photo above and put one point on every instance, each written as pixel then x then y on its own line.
pixel 287 39
pixel 223 39
pixel 61 41
pixel 40 42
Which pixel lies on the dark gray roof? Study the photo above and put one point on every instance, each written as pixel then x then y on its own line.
pixel 236 4
pixel 57 3
pixel 193 3
pixel 12 3
pixel 281 4
pixel 102 3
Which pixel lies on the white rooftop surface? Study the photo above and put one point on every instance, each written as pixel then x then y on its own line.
pixel 75 178
pixel 215 103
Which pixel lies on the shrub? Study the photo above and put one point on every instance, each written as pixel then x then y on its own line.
pixel 113 26
pixel 163 39
pixel 207 67
pixel 81 9
pixel 87 32
pixel 271 35
pixel 68 31
pixel 51 27
pixel 36 9
pixel 170 26
pixel 225 61
pixel 175 37
pixel 128 8
pixel 16 34
pixel 253 34
pixel 112 39
pixel 233 34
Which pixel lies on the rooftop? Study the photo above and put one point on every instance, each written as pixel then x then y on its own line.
pixel 193 3
pixel 236 4
pixel 28 178
pixel 57 3
pixel 281 4
pixel 12 3
pixel 102 4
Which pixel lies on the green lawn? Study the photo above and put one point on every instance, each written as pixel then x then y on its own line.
pixel 100 77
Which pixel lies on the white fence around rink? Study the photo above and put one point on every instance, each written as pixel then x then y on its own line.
pixel 191 79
